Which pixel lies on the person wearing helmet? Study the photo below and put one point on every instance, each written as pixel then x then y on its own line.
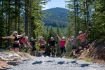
pixel 73 43
pixel 80 32
pixel 62 43
pixel 52 45
pixel 33 45
pixel 42 43
pixel 82 37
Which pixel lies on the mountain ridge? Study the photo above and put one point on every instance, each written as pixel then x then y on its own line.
pixel 56 17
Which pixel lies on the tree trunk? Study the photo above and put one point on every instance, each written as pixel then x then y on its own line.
pixel 26 17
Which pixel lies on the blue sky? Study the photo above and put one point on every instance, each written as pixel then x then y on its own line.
pixel 55 3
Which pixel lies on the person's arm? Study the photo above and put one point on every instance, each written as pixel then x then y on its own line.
pixel 4 37
pixel 8 37
pixel 19 36
pixel 67 40
pixel 69 37
pixel 58 37
pixel 45 42
pixel 66 43
pixel 77 37
pixel 86 34
pixel 28 43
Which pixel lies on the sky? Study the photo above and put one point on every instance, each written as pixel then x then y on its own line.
pixel 55 3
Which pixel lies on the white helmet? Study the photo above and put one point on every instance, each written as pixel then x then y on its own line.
pixel 15 32
pixel 52 37
pixel 72 36
pixel 32 38
pixel 41 37
pixel 80 32
pixel 63 37
pixel 26 37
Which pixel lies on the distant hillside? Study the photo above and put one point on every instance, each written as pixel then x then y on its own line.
pixel 55 17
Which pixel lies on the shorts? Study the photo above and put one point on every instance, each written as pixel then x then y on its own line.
pixel 42 47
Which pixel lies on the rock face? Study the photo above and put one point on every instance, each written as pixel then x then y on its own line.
pixel 3 65
pixel 8 59
pixel 95 52
pixel 9 56
pixel 100 49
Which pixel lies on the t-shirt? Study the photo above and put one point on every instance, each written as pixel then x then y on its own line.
pixel 62 43
pixel 82 37
pixel 16 40
pixel 23 40
pixel 42 42
pixel 73 41
pixel 52 42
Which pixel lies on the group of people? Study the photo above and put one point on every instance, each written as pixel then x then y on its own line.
pixel 49 46
pixel 79 43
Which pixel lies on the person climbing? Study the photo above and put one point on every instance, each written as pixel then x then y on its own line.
pixel 82 37
pixel 16 38
pixel 52 45
pixel 62 43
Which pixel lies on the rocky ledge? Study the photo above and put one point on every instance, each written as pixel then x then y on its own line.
pixel 10 59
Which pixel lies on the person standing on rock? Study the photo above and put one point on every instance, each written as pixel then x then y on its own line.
pixel 62 43
pixel 25 42
pixel 16 38
pixel 52 45
pixel 42 43
pixel 33 45
pixel 73 43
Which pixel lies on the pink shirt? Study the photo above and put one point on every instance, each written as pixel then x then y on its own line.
pixel 62 43
pixel 82 37
pixel 42 42
pixel 23 40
